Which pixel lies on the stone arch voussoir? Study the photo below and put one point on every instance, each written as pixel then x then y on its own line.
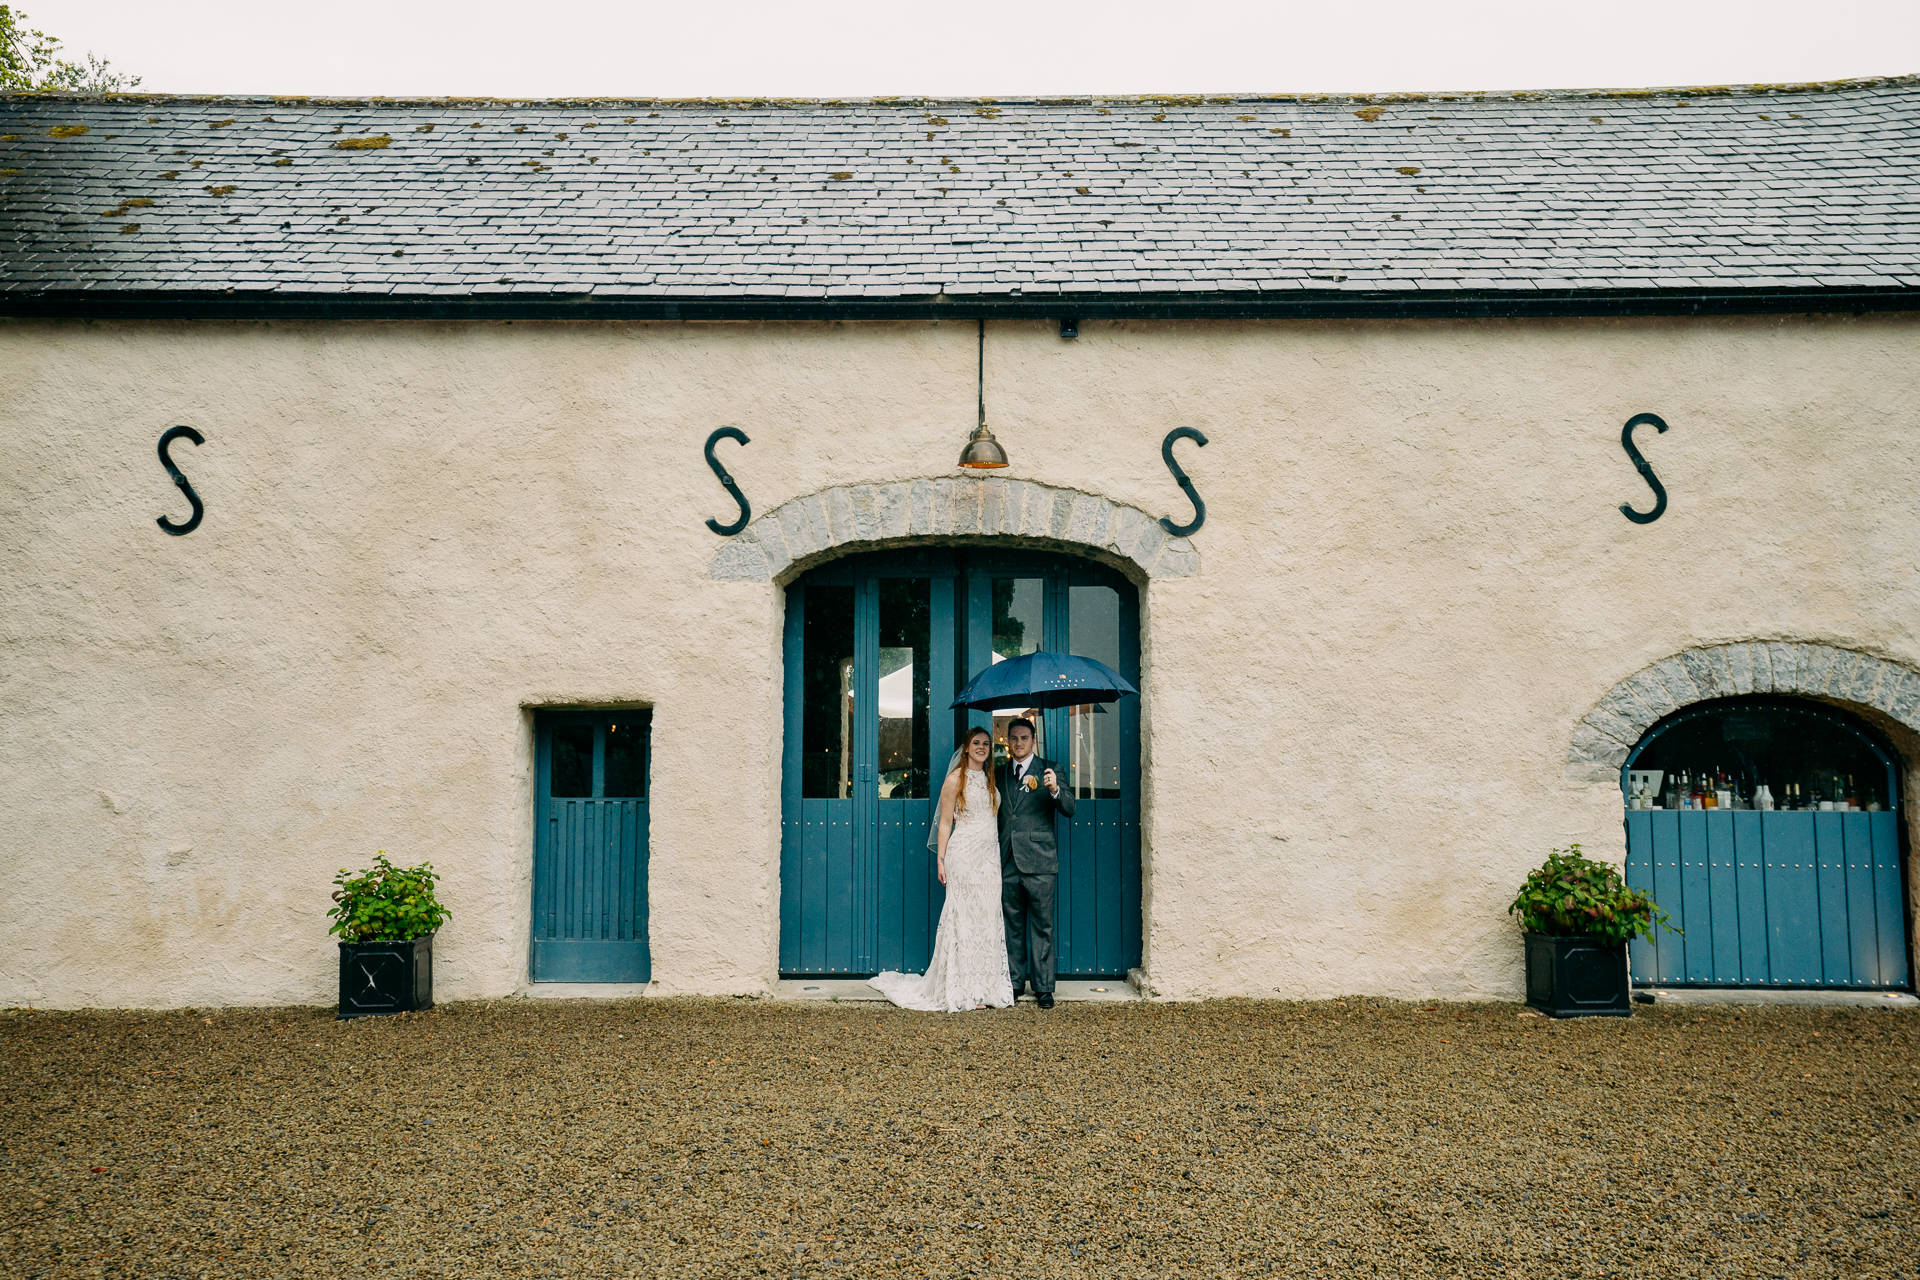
pixel 1606 734
pixel 806 531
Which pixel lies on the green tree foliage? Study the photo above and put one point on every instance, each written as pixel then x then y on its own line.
pixel 386 903
pixel 1572 895
pixel 30 62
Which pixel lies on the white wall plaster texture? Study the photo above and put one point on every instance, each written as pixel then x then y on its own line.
pixel 1398 664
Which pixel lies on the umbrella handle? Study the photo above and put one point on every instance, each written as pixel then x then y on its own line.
pixel 1193 495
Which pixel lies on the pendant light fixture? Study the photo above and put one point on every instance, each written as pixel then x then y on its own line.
pixel 983 452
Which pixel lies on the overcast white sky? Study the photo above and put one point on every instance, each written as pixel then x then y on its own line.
pixel 849 48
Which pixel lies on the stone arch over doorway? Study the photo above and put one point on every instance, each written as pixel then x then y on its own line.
pixel 810 530
pixel 1609 732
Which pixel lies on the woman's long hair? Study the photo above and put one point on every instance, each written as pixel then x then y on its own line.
pixel 960 765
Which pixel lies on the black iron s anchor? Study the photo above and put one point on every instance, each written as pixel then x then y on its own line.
pixel 746 512
pixel 1193 495
pixel 1645 469
pixel 166 442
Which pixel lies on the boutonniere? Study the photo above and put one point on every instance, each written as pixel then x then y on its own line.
pixel 1032 783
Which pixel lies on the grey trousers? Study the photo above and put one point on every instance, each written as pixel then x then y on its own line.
pixel 1027 903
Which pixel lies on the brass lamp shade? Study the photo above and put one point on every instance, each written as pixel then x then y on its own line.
pixel 983 452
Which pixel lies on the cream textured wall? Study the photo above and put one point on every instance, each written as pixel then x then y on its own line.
pixel 1412 585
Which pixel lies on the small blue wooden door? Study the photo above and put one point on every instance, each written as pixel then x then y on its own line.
pixel 876 647
pixel 1802 898
pixel 590 847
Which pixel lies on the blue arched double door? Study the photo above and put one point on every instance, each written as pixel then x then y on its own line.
pixel 876 647
pixel 1770 830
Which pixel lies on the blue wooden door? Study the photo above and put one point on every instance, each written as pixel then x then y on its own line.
pixel 1801 898
pixel 876 647
pixel 1019 603
pixel 590 847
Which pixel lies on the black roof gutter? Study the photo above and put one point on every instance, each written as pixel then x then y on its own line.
pixel 97 304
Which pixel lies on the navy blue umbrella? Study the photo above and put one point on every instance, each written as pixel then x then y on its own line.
pixel 1044 680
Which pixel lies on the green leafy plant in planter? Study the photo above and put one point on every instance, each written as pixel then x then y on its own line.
pixel 386 903
pixel 386 917
pixel 1579 915
pixel 1571 895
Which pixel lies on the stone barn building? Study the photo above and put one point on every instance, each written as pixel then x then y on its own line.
pixel 569 498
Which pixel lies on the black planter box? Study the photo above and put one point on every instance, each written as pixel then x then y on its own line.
pixel 1578 977
pixel 385 977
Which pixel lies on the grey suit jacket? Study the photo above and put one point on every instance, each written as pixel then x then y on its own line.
pixel 1027 841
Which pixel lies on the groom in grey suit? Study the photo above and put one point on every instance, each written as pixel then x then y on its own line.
pixel 1029 859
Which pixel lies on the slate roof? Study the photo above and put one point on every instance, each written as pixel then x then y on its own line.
pixel 1785 188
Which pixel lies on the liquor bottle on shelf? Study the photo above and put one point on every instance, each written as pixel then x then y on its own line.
pixel 1853 797
pixel 1671 796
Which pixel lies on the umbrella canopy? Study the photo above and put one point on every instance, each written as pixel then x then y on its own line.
pixel 1044 680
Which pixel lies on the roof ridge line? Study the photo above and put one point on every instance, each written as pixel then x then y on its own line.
pixel 911 102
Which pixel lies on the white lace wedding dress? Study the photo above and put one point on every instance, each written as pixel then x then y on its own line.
pixel 969 964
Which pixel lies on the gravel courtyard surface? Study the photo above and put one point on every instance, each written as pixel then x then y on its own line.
pixel 741 1137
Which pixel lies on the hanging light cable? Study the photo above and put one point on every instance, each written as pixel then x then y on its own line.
pixel 983 452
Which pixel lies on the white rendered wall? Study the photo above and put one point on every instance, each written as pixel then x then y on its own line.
pixel 1414 581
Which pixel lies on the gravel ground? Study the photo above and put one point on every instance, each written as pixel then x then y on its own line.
pixel 743 1137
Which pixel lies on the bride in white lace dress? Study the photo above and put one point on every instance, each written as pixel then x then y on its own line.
pixel 969 965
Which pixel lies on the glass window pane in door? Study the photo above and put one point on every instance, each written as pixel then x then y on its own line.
pixel 905 633
pixel 1093 729
pixel 626 760
pixel 826 721
pixel 571 768
pixel 1018 615
pixel 1019 626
